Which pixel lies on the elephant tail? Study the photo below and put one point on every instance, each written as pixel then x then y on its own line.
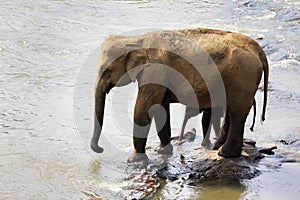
pixel 254 115
pixel 264 60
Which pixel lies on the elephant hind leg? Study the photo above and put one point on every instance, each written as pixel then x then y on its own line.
pixel 216 119
pixel 234 143
pixel 224 133
pixel 206 127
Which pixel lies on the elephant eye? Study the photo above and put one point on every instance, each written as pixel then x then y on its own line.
pixel 102 69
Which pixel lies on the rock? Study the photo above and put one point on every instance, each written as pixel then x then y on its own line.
pixel 141 187
pixel 260 37
pixel 211 166
pixel 250 142
pixel 191 164
pixel 288 143
pixel 187 137
pixel 284 142
pixel 190 135
pixel 267 150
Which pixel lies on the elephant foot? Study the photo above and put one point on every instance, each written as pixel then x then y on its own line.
pixel 165 150
pixel 219 143
pixel 216 146
pixel 138 157
pixel 206 143
pixel 229 152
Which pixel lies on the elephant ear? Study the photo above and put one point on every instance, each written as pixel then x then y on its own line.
pixel 135 63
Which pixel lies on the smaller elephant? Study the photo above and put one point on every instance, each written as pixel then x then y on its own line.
pixel 207 124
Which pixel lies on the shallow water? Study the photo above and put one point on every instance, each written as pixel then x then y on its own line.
pixel 48 60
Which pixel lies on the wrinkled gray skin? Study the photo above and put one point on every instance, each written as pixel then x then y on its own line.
pixel 239 60
pixel 209 121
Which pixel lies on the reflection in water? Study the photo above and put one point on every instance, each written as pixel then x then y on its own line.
pixel 95 166
pixel 224 189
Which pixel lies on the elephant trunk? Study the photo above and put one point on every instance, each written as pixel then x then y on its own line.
pixel 98 119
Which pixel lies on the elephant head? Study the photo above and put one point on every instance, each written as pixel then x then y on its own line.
pixel 120 55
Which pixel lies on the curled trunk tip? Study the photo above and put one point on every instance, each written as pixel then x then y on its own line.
pixel 96 148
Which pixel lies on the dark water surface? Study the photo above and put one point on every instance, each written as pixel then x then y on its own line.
pixel 48 61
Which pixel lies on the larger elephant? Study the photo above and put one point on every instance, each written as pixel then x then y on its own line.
pixel 237 59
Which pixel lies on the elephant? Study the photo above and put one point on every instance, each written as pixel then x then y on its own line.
pixel 200 68
pixel 209 121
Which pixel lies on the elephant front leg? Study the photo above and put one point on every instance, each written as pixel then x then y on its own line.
pixel 140 134
pixel 234 143
pixel 162 122
pixel 148 96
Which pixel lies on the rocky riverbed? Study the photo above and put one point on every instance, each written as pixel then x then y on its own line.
pixel 200 165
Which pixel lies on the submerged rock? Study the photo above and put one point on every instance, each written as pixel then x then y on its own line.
pixel 142 186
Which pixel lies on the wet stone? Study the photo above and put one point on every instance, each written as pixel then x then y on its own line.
pixel 191 164
pixel 212 166
pixel 268 150
pixel 142 186
pixel 250 142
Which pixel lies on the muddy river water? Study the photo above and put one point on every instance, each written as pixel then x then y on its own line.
pixel 48 58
